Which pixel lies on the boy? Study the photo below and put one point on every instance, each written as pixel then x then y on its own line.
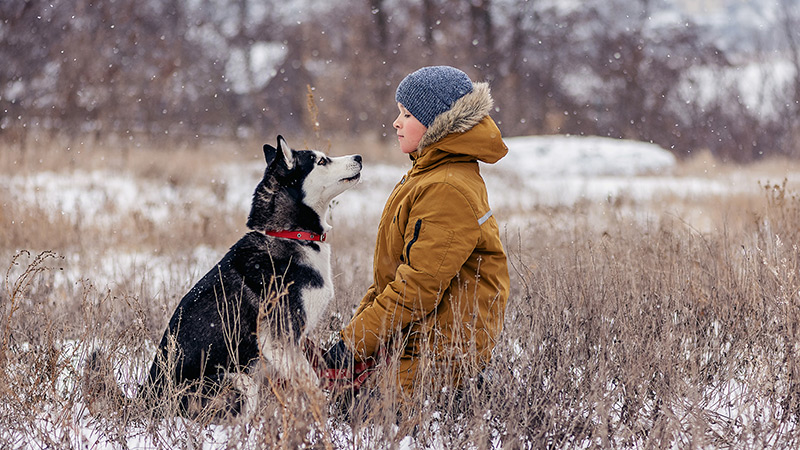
pixel 440 278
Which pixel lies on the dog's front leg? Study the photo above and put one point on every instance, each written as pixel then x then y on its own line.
pixel 248 389
pixel 287 361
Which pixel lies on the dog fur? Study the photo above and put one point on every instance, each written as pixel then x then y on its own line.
pixel 260 300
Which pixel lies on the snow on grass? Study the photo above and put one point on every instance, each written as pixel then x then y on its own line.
pixel 567 156
pixel 103 197
pixel 538 171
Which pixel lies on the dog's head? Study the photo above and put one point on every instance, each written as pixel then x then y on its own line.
pixel 296 180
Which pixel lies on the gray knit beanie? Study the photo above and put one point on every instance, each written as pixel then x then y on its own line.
pixel 431 91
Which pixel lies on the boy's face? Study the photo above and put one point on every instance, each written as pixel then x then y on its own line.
pixel 409 130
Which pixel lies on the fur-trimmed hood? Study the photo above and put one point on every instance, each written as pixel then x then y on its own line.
pixel 466 129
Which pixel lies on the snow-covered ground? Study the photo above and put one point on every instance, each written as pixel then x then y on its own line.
pixel 538 171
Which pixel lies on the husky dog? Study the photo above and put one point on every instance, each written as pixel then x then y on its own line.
pixel 266 293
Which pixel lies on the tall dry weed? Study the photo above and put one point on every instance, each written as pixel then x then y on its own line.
pixel 619 333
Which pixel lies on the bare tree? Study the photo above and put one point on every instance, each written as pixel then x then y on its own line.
pixel 791 30
pixel 25 67
pixel 165 68
pixel 381 23
pixel 430 17
pixel 483 37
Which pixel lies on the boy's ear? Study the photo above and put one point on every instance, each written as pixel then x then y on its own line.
pixel 286 151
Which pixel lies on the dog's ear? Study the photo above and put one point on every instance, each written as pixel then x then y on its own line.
pixel 269 154
pixel 288 156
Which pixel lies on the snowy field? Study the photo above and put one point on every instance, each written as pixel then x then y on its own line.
pixel 539 172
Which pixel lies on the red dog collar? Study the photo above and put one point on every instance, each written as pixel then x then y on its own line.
pixel 299 235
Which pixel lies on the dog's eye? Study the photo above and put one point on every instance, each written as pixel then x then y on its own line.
pixel 322 161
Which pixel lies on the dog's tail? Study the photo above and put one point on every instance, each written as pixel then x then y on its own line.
pixel 101 392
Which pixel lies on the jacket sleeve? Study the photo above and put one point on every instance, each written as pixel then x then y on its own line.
pixel 366 300
pixel 441 234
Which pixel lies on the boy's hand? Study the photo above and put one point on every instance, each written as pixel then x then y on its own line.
pixel 342 372
pixel 338 356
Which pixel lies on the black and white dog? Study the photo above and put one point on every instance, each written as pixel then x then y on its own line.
pixel 256 305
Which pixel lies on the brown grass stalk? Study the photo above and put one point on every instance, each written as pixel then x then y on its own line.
pixel 620 333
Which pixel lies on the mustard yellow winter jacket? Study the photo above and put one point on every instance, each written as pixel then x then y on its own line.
pixel 440 273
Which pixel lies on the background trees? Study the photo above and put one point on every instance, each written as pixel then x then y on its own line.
pixel 237 68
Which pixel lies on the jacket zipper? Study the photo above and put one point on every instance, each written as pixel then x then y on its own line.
pixel 417 227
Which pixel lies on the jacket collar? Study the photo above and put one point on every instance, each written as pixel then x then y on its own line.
pixel 481 143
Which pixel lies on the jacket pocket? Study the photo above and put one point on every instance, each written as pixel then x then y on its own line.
pixel 427 246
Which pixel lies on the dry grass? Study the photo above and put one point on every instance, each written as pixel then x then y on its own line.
pixel 619 333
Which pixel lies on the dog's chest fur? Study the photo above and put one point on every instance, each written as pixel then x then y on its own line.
pixel 316 298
